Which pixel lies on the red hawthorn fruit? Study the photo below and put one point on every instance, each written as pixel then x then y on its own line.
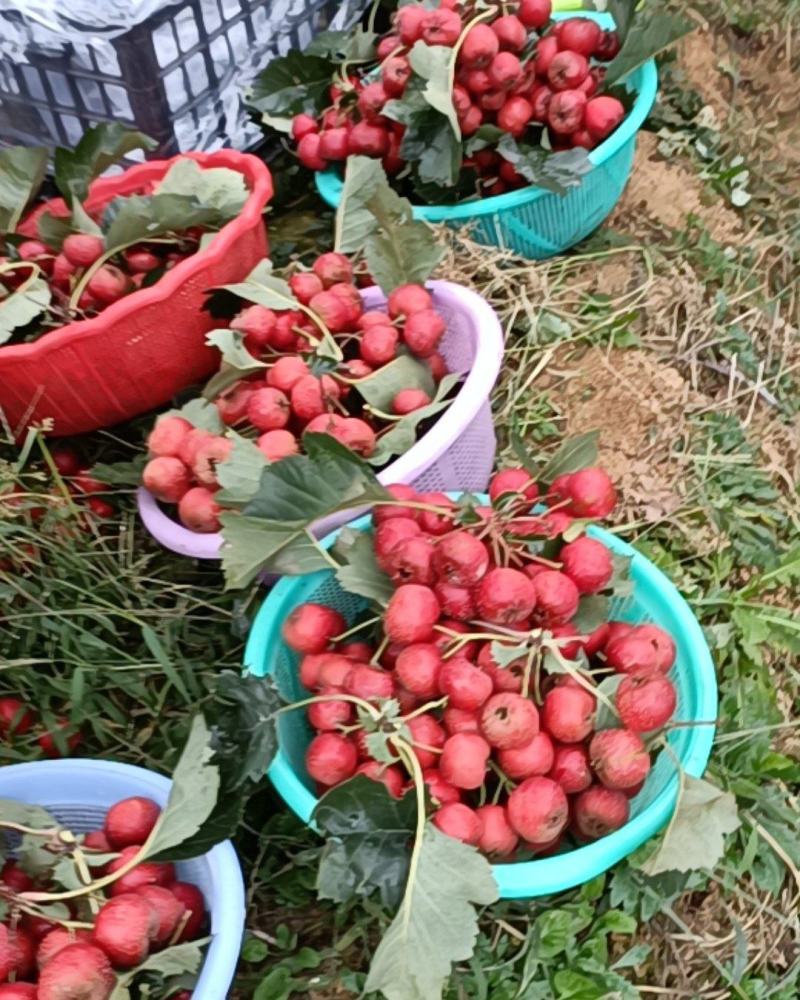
pixel 591 493
pixel 546 49
pixel 310 627
pixel 303 125
pixel 331 758
pixel 515 115
pixel 371 101
pixel 67 460
pixel 166 478
pixel 278 444
pixel 369 682
pixel 12 876
pixel 165 439
pixel 187 450
pixel 465 685
pixel 619 758
pixel 141 261
pixel 123 928
pixel 645 700
pixel 195 906
pixel 310 396
pixel 568 713
pixel 309 154
pixel 17 951
pixel 199 511
pixel 540 103
pixel 608 46
pixel 81 970
pixel 464 759
pixel 305 286
pixel 599 811
pixel 395 73
pixel 334 670
pixel 386 512
pixel 287 372
pixel 662 642
pixel 471 121
pixel 18 991
pixel 557 597
pixel 434 523
pixel 387 46
pixel 602 115
pixel 96 840
pixel 456 602
pixel 361 651
pixel 440 791
pixel 55 941
pixel 409 299
pixel 509 721
pixel 478 82
pixel 131 821
pixel 569 650
pixel 411 561
pixel 504 71
pixel 461 100
pixel 497 836
pixel 537 810
pixel 15 718
pixel 579 34
pixel 408 23
pixel 53 748
pixel 389 534
pixel 596 640
pixel 387 774
pixel 168 909
pixel 436 365
pixel 82 249
pixel 441 27
pixel 461 559
pixel 379 345
pixel 146 873
pixel 534 758
pixel 567 70
pixel 631 652
pixel 412 612
pixel 426 737
pixel 565 111
pixel 479 46
pixel 505 678
pixel 333 143
pixel 417 668
pixel 208 455
pixel 408 400
pixel 34 251
pixel 459 821
pixel 513 481
pixel 505 596
pixel 459 720
pixel 534 13
pixel 570 767
pixel 422 332
pixel 330 715
pixel 511 33
pixel 587 563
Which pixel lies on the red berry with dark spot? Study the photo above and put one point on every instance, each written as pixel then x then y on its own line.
pixel 497 836
pixel 509 721
pixel 504 71
pixel 631 652
pixel 645 700
pixel 568 713
pixel 587 563
pixel 565 111
pixel 570 767
pixel 662 642
pixel 567 70
pixel 310 627
pixel 441 791
pixel 412 612
pixel 599 811
pixel 505 596
pixel 537 810
pixel 411 561
pixel 461 559
pixel 557 597
pixel 441 27
pixel 199 511
pixel 608 46
pixel 619 758
pixel 395 73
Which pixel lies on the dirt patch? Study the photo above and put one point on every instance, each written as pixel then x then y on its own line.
pixel 667 193
pixel 701 65
pixel 639 404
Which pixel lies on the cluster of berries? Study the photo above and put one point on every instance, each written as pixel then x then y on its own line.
pixel 518 71
pixel 277 405
pixel 126 272
pixel 17 720
pixel 146 910
pixel 496 684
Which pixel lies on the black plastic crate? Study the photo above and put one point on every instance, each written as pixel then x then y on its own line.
pixel 174 76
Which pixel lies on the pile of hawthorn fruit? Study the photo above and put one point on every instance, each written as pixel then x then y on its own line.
pixel 508 750
pixel 127 271
pixel 17 720
pixel 284 400
pixel 515 69
pixel 143 911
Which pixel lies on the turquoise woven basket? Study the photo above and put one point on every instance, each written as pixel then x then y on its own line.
pixel 654 599
pixel 534 222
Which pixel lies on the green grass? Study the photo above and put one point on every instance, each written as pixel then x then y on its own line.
pixel 100 625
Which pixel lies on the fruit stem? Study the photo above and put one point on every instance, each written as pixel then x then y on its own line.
pixel 427 707
pixel 86 877
pixel 19 828
pixel 90 271
pixel 380 650
pixel 526 677
pixel 413 765
pixel 356 628
pixel 362 704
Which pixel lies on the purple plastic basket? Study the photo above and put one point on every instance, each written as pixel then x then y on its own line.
pixel 457 453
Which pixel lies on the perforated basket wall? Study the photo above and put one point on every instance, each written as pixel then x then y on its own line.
pixel 654 599
pixel 176 74
pixel 531 221
pixel 79 792
pixel 457 453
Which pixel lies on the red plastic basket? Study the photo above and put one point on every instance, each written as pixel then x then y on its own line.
pixel 150 344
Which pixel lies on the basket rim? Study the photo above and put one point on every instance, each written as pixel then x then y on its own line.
pixel 423 453
pixel 543 876
pixel 644 79
pixel 228 915
pixel 119 312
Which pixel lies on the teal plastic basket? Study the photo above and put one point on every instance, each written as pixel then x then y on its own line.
pixel 531 221
pixel 654 599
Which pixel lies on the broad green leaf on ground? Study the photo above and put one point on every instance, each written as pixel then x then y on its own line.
pixel 361 573
pixel 368 833
pixel 593 611
pixel 404 433
pixel 100 147
pixel 132 218
pixel 291 84
pixel 215 187
pixel 195 784
pixel 604 718
pixel 173 961
pixel 429 139
pixel 404 372
pixel 254 544
pixel 22 170
pixel 356 45
pixel 575 453
pixel 432 63
pixel 230 344
pixel 244 734
pixel 240 473
pixel 201 414
pixel 436 923
pixel 23 306
pixel 354 221
pixel 647 36
pixel 695 837
pixel 556 172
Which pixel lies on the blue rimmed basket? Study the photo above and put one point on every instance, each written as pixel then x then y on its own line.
pixel 79 792
pixel 655 599
pixel 534 222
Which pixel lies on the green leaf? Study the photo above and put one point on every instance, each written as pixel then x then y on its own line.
pixel 368 835
pixel 355 45
pixel 574 454
pixel 264 288
pixel 120 473
pixel 22 170
pixel 23 306
pixel 504 655
pixel 201 414
pixel 32 856
pixel 429 141
pixel 404 372
pixel 99 148
pixel 254 545
pixel 593 611
pixel 436 924
pixel 52 230
pixel 404 251
pixel 177 960
pixel 354 221
pixel 215 187
pixel 648 36
pixel 230 344
pixel 239 475
pixel 136 218
pixel 195 783
pixel 695 837
pixel 432 63
pixel 487 135
pixel 623 12
pixel 604 718
pixel 292 84
pixel 361 573
pixel 556 172
pixel 245 733
pixel 404 433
